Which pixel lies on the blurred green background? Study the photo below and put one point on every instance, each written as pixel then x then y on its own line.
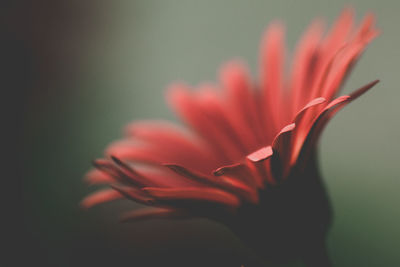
pixel 98 65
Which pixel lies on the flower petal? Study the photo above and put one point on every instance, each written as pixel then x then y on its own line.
pixel 303 121
pixel 183 146
pixel 190 174
pixel 305 64
pixel 194 114
pixel 121 172
pixel 242 104
pixel 214 108
pixel 323 118
pixel 258 163
pixel 195 194
pixel 96 176
pixel 225 183
pixel 282 147
pixel 134 194
pixel 340 31
pixel 99 197
pixel 129 150
pixel 271 74
pixel 342 54
pixel 239 171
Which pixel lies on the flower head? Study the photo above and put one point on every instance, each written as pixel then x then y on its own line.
pixel 247 156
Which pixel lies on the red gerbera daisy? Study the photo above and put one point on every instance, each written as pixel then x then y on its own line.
pixel 247 158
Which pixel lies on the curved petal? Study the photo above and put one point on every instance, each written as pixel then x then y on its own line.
pixel 282 147
pixel 282 140
pixel 96 176
pixel 258 163
pixel 323 118
pixel 190 174
pixel 225 183
pixel 99 197
pixel 343 53
pixel 138 177
pixel 134 194
pixel 302 114
pixel 121 172
pixel 303 122
pixel 260 154
pixel 240 172
pixel 194 194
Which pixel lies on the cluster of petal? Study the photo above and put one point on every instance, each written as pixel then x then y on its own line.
pixel 236 128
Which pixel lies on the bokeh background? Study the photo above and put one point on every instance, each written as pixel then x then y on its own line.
pixel 86 68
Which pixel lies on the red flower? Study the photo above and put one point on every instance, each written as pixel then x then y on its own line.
pixel 247 158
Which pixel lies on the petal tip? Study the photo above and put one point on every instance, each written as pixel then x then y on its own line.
pixel 261 154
